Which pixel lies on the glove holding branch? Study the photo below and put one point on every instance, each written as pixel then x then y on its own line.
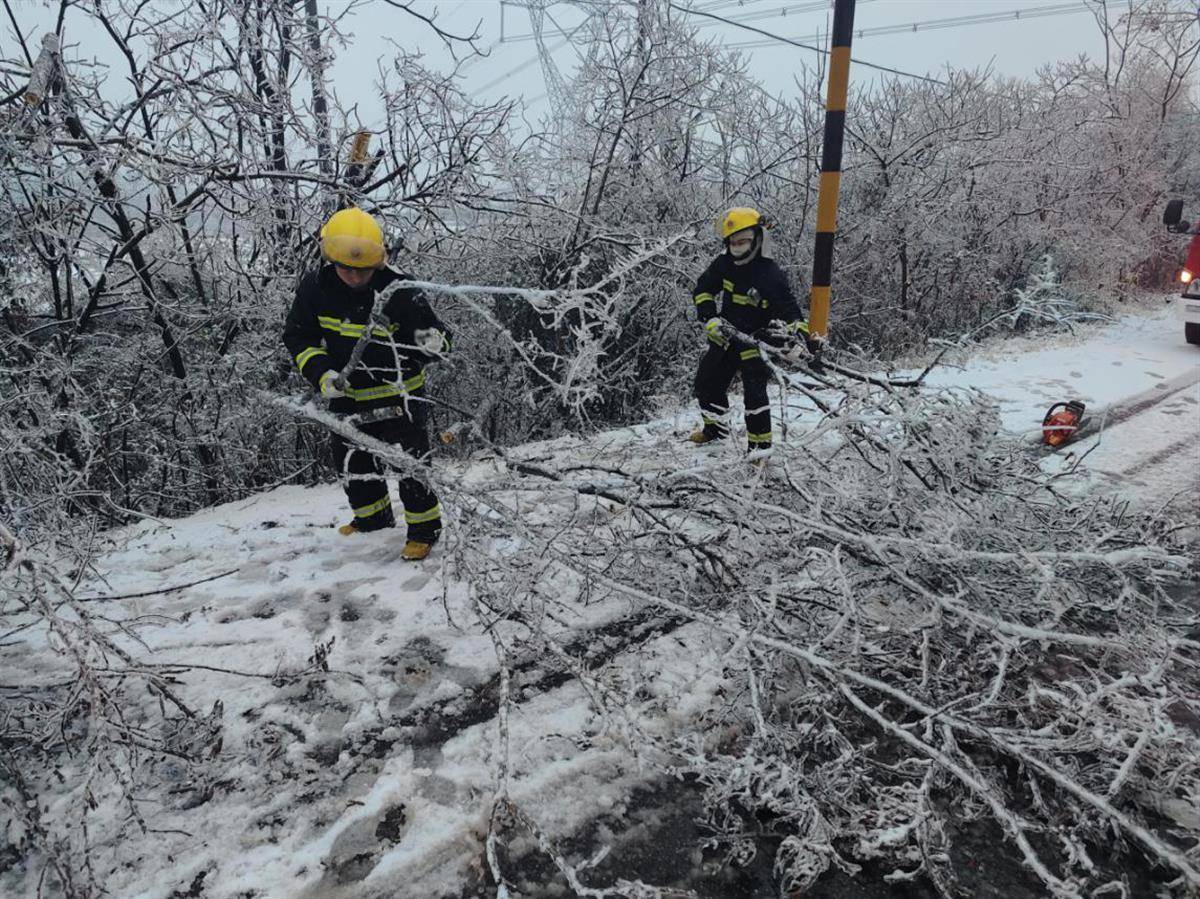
pixel 356 314
pixel 328 385
pixel 776 334
pixel 741 293
pixel 431 341
pixel 712 328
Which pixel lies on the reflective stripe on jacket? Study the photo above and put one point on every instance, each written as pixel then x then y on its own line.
pixel 326 320
pixel 747 296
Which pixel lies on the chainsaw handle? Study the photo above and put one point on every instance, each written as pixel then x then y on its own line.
pixel 1075 407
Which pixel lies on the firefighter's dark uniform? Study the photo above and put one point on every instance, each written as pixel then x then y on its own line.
pixel 749 297
pixel 324 324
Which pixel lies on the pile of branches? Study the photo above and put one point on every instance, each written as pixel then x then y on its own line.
pixel 921 628
pixel 89 731
pixel 915 626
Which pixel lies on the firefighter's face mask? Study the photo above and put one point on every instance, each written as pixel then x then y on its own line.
pixel 741 243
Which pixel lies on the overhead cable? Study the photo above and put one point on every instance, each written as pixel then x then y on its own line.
pixel 795 43
pixel 1032 12
pixel 992 18
pixel 783 12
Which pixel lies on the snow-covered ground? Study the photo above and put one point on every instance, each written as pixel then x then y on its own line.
pixel 1148 452
pixel 377 778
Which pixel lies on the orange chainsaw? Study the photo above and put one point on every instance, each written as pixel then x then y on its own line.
pixel 1061 422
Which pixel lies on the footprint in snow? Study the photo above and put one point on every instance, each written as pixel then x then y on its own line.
pixel 263 608
pixel 1179 406
pixel 255 570
pixel 316 619
pixel 415 583
pixel 415 659
pixel 358 847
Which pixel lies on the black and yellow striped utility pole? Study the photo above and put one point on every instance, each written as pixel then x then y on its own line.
pixel 831 165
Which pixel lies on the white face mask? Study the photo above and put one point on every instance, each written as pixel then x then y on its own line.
pixel 740 244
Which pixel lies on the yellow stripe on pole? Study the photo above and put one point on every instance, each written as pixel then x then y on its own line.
pixel 827 201
pixel 818 311
pixel 832 143
pixel 839 78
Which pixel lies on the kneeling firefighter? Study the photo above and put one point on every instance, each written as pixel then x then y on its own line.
pixel 754 296
pixel 331 311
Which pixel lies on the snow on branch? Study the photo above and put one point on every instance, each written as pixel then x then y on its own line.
pixel 947 631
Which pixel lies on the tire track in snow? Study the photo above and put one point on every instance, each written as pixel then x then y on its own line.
pixel 431 725
pixel 1121 412
pixel 425 730
pixel 1163 455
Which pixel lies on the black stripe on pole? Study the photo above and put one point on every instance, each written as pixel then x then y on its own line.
pixel 831 165
pixel 823 259
pixel 835 130
pixel 843 26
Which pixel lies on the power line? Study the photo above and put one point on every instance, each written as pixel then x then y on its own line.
pixel 794 9
pixel 794 43
pixel 992 18
pixel 1033 12
pixel 803 7
pixel 525 65
pixel 784 12
pixel 719 4
pixel 532 36
pixel 567 37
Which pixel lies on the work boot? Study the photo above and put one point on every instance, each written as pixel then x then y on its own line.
pixel 376 522
pixel 415 551
pixel 757 453
pixel 706 434
pixel 420 540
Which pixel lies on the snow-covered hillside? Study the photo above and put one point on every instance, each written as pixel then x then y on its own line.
pixel 371 710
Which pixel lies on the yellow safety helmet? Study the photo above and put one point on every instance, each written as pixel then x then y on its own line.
pixel 354 239
pixel 739 219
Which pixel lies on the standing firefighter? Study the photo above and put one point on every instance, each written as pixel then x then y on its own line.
pixel 754 296
pixel 331 311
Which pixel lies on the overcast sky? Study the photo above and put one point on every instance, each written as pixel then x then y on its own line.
pixel 1049 30
pixel 1032 33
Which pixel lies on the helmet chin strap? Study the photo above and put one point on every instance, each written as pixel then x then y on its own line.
pixel 755 249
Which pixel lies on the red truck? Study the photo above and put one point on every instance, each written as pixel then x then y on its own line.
pixel 1188 304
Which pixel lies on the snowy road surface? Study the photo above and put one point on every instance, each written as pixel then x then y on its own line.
pixel 1147 450
pixel 377 779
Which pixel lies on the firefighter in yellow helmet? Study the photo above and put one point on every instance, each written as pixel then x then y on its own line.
pixel 330 312
pixel 748 290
